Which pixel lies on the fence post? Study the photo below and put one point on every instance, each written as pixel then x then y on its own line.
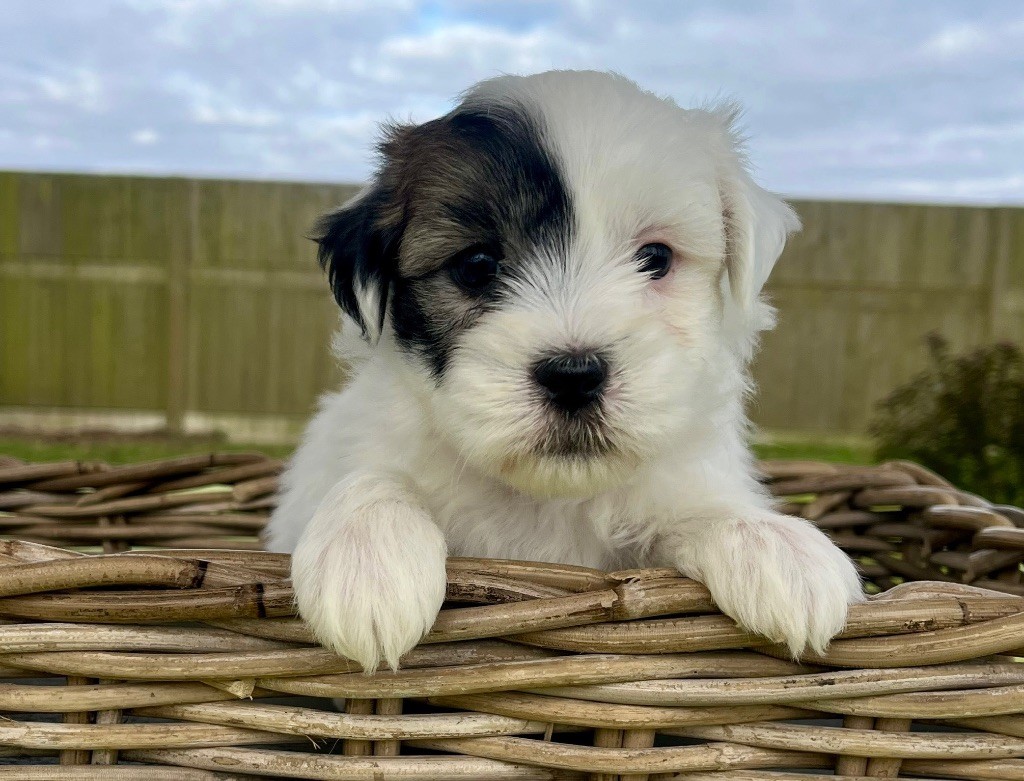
pixel 996 325
pixel 177 316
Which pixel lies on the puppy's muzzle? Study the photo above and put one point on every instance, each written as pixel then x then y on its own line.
pixel 573 381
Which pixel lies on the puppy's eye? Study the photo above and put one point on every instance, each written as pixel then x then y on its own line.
pixel 654 259
pixel 474 271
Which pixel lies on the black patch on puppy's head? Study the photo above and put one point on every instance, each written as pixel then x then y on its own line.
pixel 480 176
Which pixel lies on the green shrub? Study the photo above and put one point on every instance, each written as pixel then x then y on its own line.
pixel 963 417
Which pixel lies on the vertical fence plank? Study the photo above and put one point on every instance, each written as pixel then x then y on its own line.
pixel 178 266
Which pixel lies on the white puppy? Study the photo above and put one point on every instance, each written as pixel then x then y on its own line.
pixel 552 294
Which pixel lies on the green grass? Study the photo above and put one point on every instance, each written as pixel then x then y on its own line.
pixel 120 450
pixel 846 453
pixel 123 450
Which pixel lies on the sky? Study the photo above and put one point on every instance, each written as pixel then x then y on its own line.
pixel 900 101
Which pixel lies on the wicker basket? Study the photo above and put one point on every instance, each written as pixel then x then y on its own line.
pixel 176 654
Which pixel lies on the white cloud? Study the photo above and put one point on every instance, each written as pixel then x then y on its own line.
pixel 145 136
pixel 227 114
pixel 989 189
pixel 956 40
pixel 77 87
pixel 47 142
pixel 482 45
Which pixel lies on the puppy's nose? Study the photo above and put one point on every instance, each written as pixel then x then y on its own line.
pixel 572 381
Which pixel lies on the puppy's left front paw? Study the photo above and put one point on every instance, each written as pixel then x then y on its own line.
pixel 779 577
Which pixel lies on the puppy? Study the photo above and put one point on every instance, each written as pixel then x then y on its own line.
pixel 550 295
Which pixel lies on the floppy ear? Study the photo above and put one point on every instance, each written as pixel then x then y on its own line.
pixel 757 223
pixel 359 255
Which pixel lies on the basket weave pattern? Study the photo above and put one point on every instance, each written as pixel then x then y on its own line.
pixel 177 653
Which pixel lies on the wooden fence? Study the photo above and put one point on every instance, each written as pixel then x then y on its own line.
pixel 200 300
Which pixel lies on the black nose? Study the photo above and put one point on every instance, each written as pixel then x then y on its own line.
pixel 572 381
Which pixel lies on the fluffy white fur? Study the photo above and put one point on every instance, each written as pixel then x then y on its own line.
pixel 396 466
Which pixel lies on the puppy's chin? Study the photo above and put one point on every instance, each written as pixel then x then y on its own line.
pixel 565 476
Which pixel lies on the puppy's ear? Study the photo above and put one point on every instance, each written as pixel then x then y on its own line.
pixel 757 223
pixel 359 252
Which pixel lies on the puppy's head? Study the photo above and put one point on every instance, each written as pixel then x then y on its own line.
pixel 569 266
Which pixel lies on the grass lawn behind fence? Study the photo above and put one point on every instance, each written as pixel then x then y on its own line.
pixel 123 450
pixel 846 450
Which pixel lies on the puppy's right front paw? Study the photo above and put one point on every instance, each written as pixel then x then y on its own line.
pixel 369 571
